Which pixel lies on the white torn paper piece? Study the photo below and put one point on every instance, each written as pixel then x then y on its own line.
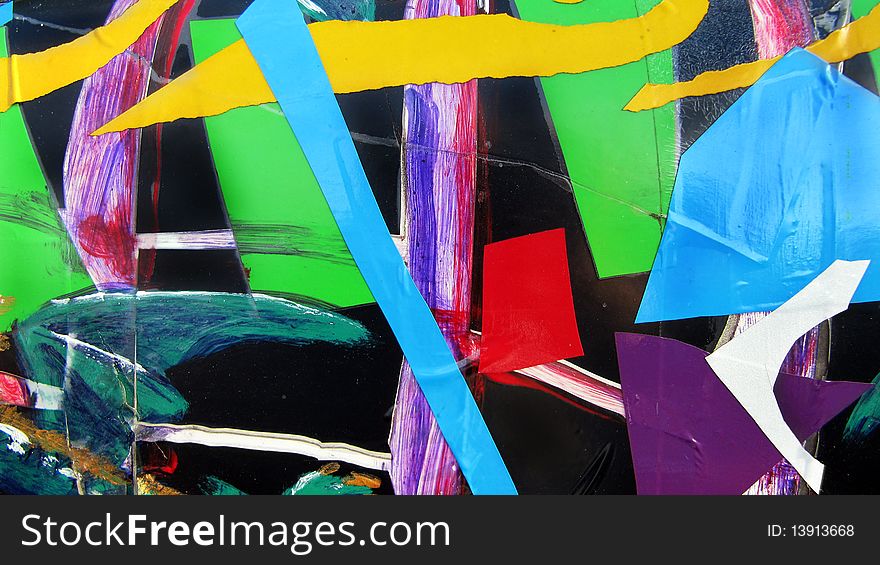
pixel 749 363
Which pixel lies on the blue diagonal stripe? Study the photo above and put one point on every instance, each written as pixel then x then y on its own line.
pixel 278 37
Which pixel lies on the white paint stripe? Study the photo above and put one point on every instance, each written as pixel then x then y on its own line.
pixel 73 343
pixel 749 363
pixel 48 397
pixel 207 239
pixel 95 296
pixel 16 435
pixel 263 441
pixel 308 4
pixel 590 374
pixel 603 393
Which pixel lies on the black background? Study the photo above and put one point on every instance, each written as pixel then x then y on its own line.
pixel 551 442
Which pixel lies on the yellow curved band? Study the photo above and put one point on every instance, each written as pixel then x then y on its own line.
pixel 860 36
pixel 26 77
pixel 369 55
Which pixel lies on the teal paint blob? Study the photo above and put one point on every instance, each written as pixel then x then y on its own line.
pixel 865 416
pixel 86 345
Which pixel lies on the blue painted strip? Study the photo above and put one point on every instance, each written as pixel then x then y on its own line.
pixel 280 41
pixel 5 13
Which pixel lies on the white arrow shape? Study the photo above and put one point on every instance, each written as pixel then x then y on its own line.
pixel 749 363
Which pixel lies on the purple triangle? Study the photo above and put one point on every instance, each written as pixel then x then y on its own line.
pixel 689 435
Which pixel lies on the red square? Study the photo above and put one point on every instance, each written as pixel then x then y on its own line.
pixel 528 311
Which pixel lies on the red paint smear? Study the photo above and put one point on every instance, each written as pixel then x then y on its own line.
pixel 13 391
pixel 780 25
pixel 179 15
pixel 528 311
pixel 110 241
pixel 464 344
pixel 157 459
pixel 464 144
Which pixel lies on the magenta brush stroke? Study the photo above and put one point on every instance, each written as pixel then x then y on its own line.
pixel 439 160
pixel 100 173
pixel 781 25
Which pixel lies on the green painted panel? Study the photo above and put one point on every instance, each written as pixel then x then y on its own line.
pixel 37 261
pixel 622 164
pixel 269 188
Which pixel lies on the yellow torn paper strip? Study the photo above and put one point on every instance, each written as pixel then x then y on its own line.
pixel 369 55
pixel 26 77
pixel 860 36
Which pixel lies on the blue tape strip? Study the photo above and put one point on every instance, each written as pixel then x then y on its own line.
pixel 277 35
pixel 5 13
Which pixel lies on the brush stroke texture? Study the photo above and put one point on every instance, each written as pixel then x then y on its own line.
pixel 286 234
pixel 203 239
pixel 264 441
pixel 439 159
pixel 780 25
pixel 579 383
pixel 39 261
pixel 26 393
pixel 865 417
pixel 369 55
pixel 326 10
pixel 100 174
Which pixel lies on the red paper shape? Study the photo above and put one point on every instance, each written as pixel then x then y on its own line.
pixel 528 311
pixel 12 391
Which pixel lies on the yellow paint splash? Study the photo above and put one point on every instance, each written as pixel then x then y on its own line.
pixel 355 479
pixel 568 1
pixel 369 55
pixel 147 484
pixel 860 36
pixel 26 77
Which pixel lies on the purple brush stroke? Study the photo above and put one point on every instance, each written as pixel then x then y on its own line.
pixel 439 158
pixel 689 435
pixel 100 173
